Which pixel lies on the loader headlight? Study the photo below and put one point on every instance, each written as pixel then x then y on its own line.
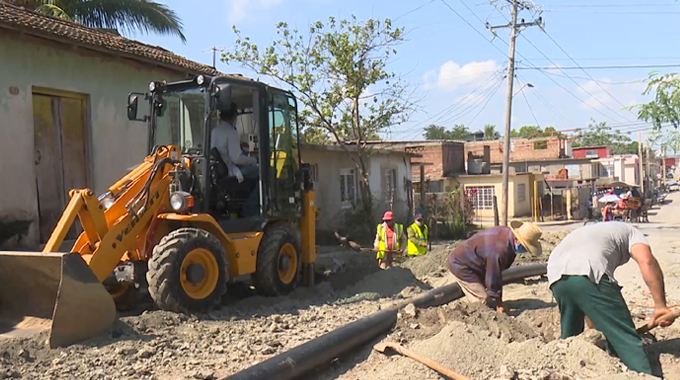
pixel 181 201
pixel 200 80
pixel 152 86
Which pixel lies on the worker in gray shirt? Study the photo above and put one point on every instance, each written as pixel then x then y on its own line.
pixel 581 277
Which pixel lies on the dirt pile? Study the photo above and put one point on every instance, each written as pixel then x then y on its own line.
pixel 482 344
pixel 550 240
pixel 163 345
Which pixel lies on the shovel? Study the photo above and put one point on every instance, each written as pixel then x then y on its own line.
pixel 667 317
pixel 384 346
pixel 356 246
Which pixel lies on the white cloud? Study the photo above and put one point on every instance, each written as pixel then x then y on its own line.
pixel 451 75
pixel 603 93
pixel 239 10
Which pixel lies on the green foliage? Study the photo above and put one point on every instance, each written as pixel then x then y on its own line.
pixel 527 132
pixel 451 212
pixel 359 222
pixel 665 108
pixel 490 132
pixel 437 132
pixel 127 15
pixel 600 134
pixel 333 69
pixel 669 139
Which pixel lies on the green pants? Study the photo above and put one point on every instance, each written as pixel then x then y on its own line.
pixel 604 305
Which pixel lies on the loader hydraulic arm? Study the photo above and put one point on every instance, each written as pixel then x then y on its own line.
pixel 115 227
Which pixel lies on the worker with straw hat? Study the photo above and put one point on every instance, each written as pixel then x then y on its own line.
pixel 581 277
pixel 477 264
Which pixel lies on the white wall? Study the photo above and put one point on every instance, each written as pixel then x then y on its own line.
pixel 328 185
pixel 116 142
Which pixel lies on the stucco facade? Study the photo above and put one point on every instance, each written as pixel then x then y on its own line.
pixel 32 65
pixel 478 187
pixel 389 174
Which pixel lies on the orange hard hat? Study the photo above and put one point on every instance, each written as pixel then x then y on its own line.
pixel 387 216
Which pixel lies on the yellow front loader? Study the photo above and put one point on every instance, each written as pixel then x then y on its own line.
pixel 181 224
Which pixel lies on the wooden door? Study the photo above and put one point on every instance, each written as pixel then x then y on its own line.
pixel 59 133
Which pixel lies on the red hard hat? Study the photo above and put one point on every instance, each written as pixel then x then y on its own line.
pixel 388 216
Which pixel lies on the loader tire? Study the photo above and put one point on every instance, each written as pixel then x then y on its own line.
pixel 188 271
pixel 279 262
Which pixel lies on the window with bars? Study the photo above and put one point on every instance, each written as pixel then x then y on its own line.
pixel 481 197
pixel 347 186
pixel 521 192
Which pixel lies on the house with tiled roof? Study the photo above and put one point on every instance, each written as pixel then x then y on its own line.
pixel 63 124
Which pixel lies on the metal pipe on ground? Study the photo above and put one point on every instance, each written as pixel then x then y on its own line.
pixel 308 356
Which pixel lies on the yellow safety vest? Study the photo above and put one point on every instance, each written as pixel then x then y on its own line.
pixel 382 239
pixel 421 236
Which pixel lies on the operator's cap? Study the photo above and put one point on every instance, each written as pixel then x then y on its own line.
pixel 387 216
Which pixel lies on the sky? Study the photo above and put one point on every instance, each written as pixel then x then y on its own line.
pixel 456 67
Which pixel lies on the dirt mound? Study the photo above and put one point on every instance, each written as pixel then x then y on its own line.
pixel 433 263
pixel 476 352
pixel 550 240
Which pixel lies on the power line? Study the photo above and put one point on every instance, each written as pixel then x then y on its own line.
pixel 549 72
pixel 641 66
pixel 573 80
pixel 553 80
pixel 487 103
pixel 471 26
pixel 414 10
pixel 530 109
pixel 585 72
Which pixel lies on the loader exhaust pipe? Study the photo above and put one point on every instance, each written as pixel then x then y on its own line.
pixel 55 292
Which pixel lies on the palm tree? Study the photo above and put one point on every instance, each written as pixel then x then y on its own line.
pixel 490 132
pixel 129 15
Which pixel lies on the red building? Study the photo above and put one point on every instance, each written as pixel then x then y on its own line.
pixel 591 152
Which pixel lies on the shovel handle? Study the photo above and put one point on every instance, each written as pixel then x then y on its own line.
pixel 666 317
pixel 430 363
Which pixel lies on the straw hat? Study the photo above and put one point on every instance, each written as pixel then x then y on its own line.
pixel 528 234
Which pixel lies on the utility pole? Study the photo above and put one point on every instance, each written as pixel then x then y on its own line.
pixel 648 174
pixel 214 51
pixel 663 165
pixel 514 26
pixel 641 182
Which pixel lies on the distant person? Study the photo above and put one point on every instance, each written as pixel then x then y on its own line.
pixel 608 211
pixel 417 237
pixel 581 277
pixel 478 263
pixel 389 240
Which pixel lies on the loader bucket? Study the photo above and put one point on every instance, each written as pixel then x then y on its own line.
pixel 52 291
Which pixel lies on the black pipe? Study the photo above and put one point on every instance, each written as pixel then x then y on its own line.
pixel 316 352
pixel 293 363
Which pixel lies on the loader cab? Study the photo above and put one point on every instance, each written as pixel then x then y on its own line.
pixel 184 113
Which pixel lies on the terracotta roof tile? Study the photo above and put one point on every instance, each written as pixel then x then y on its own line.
pixel 19 18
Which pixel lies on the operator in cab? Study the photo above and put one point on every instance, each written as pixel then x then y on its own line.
pixel 226 139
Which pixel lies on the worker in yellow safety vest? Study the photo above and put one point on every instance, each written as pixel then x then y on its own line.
pixel 389 239
pixel 417 237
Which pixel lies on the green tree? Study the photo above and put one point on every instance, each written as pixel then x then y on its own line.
pixel 670 139
pixel 128 15
pixel 600 134
pixel 330 68
pixel 490 132
pixel 460 132
pixel 527 132
pixel 437 132
pixel 665 107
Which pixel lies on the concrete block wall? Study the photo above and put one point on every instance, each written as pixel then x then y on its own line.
pixel 522 149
